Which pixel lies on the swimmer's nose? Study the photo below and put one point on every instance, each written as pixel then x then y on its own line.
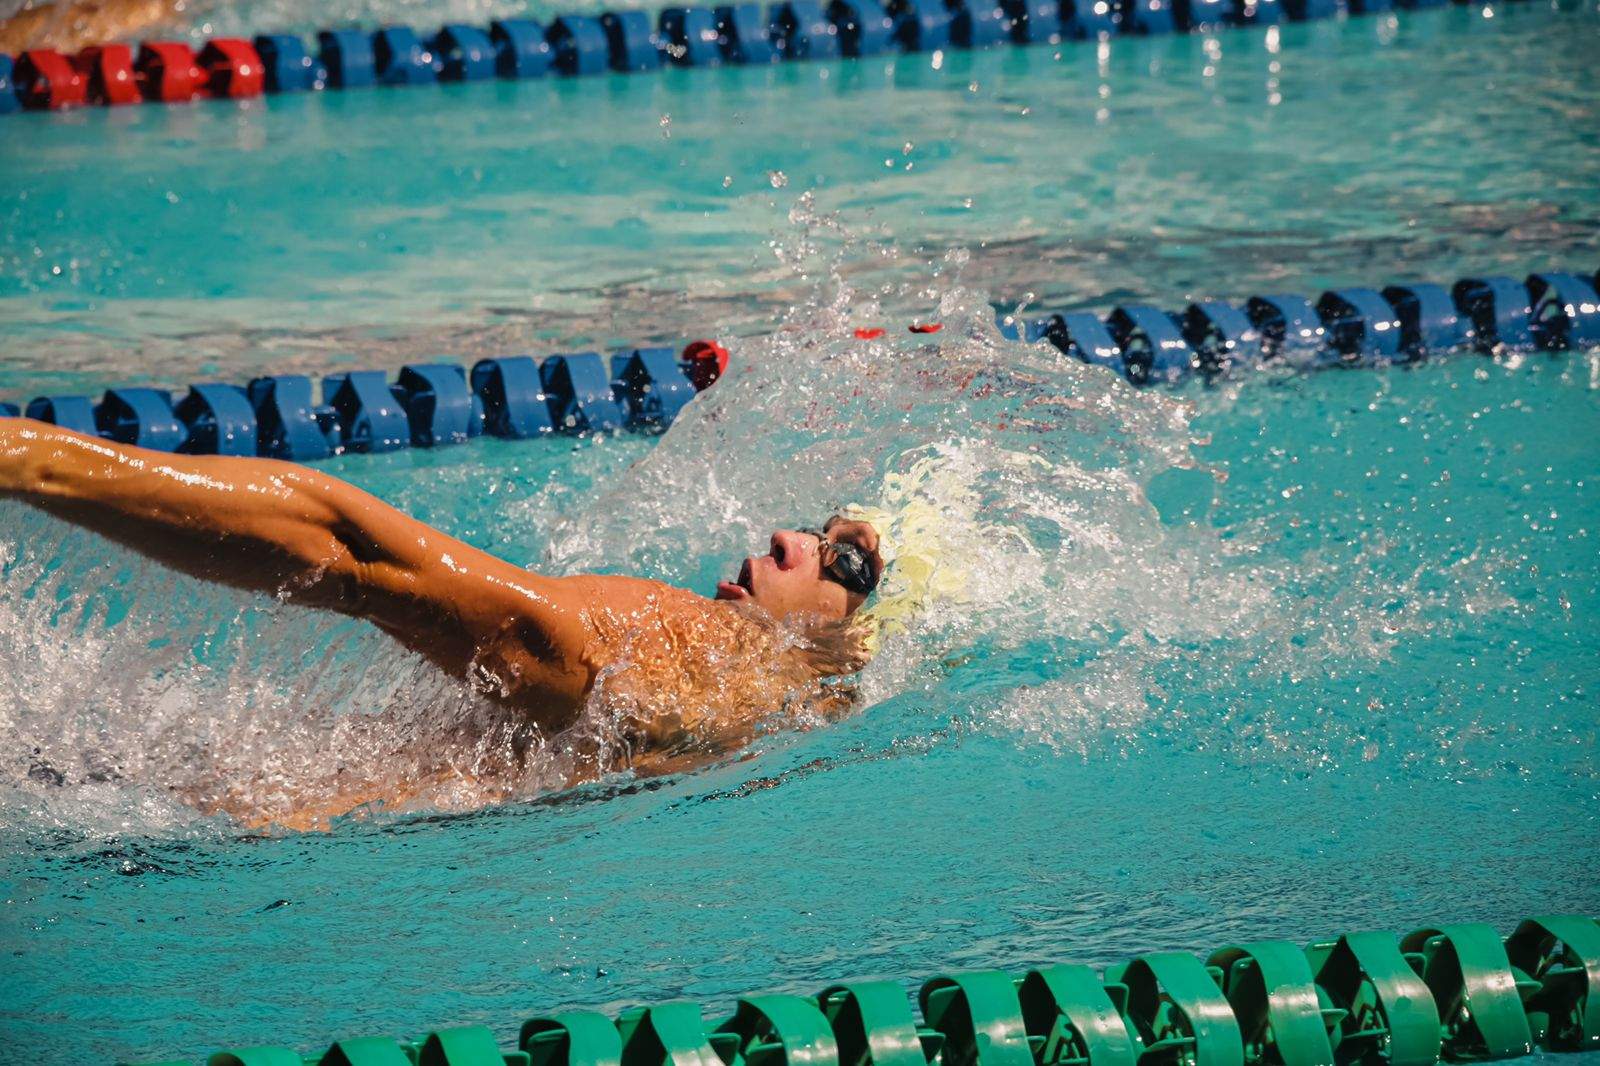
pixel 788 549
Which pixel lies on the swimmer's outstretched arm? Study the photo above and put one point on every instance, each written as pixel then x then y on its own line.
pixel 310 538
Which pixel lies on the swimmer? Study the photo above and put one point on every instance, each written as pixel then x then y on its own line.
pixel 68 25
pixel 683 673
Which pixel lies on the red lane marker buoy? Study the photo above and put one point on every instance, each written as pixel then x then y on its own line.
pixel 869 333
pixel 706 361
pixel 108 69
pixel 232 68
pixel 926 327
pixel 169 72
pixel 46 79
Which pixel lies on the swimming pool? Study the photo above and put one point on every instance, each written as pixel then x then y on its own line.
pixel 1291 656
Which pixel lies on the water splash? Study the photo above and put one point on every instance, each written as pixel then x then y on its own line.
pixel 1082 596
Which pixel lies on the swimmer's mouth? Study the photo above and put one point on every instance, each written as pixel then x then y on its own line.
pixel 736 590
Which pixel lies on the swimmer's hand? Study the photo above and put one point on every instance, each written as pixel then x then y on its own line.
pixel 309 538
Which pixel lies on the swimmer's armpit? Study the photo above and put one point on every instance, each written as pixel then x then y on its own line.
pixel 309 538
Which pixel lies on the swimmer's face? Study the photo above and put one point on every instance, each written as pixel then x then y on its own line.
pixel 791 579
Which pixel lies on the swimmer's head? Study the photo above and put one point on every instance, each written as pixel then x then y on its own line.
pixel 827 572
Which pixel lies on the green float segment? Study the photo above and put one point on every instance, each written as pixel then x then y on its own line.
pixel 1456 993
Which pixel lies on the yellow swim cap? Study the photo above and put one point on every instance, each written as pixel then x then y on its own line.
pixel 913 527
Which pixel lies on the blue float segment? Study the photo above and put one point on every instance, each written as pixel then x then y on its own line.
pixel 1290 328
pixel 921 25
pixel 289 425
pixel 1499 308
pixel 10 410
pixel 1152 345
pixel 286 66
pixel 68 412
pixel 1083 336
pixel 1262 12
pixel 579 45
pixel 689 36
pixel 8 89
pixel 630 41
pixel 865 28
pixel 801 30
pixel 1027 330
pixel 580 395
pixel 1081 19
pixel 512 395
pixel 1361 324
pixel 369 413
pixel 1148 17
pixel 219 421
pixel 742 30
pixel 1221 334
pixel 399 58
pixel 1429 320
pixel 348 57
pixel 979 24
pixel 1034 21
pixel 1370 7
pixel 1203 15
pixel 437 403
pixel 1310 10
pixel 1565 310
pixel 521 48
pixel 653 386
pixel 463 53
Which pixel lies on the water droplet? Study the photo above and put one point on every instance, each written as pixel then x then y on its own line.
pixel 727 181
pixel 778 178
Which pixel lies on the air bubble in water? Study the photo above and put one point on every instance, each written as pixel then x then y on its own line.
pixel 778 178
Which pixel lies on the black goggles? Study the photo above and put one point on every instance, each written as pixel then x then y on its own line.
pixel 845 563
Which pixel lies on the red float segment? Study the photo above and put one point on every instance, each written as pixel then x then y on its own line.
pixel 168 71
pixel 47 79
pixel 232 68
pixel 869 333
pixel 926 327
pixel 108 69
pixel 706 362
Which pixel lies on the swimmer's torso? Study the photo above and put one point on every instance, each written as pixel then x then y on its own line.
pixel 666 681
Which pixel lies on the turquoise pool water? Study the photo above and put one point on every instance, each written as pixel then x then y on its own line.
pixel 1287 657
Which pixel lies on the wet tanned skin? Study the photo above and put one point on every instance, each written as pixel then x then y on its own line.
pixel 696 669
pixel 68 25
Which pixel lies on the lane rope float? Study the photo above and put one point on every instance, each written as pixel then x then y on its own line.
pixel 1403 322
pixel 1456 993
pixel 429 404
pixel 620 41
pixel 645 388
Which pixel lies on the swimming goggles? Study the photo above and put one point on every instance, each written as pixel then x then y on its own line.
pixel 845 563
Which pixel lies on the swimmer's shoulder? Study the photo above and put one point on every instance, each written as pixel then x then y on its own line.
pixel 638 603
